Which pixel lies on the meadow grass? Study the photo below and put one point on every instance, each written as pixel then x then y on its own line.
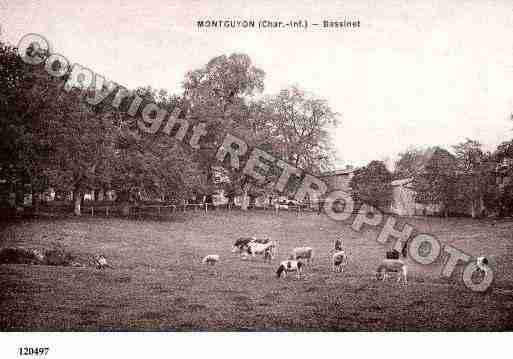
pixel 158 282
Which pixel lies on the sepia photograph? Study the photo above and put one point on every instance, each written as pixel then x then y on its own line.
pixel 182 167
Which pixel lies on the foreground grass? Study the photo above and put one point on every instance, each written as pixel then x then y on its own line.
pixel 159 284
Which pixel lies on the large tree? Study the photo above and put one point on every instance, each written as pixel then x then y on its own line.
pixel 292 126
pixel 411 162
pixel 151 166
pixel 372 184
pixel 220 95
pixel 21 105
pixel 502 199
pixel 301 123
pixel 476 177
pixel 437 181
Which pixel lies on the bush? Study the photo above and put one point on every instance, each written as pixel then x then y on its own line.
pixel 19 256
pixel 57 257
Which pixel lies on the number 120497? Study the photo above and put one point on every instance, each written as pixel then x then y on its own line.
pixel 33 351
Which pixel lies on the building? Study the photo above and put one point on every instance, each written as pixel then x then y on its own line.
pixel 404 203
pixel 339 180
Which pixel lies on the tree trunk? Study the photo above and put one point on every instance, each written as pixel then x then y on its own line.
pixel 245 199
pixel 124 199
pixel 19 197
pixel 36 200
pixel 445 210
pixel 77 203
pixel 125 209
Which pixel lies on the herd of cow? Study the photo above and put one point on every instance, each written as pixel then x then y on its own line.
pixel 305 255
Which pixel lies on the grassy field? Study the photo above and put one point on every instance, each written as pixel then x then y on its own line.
pixel 159 284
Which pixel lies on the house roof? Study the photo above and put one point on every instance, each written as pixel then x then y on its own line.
pixel 402 182
pixel 338 173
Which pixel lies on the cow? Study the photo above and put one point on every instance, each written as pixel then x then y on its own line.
pixel 290 266
pixel 242 243
pixel 101 262
pixel 393 254
pixel 305 253
pixel 338 261
pixel 267 249
pixel 210 259
pixel 392 265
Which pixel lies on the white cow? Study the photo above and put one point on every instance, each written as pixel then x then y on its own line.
pixel 305 253
pixel 392 265
pixel 339 261
pixel 266 249
pixel 101 262
pixel 210 259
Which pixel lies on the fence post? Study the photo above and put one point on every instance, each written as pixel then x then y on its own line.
pixel 206 209
pixel 92 211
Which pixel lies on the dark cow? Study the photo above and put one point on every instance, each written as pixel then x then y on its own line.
pixel 393 254
pixel 338 245
pixel 242 243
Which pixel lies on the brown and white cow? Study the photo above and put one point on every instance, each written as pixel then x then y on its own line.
pixel 290 266
pixel 392 266
pixel 338 261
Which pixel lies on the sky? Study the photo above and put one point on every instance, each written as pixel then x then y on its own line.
pixel 415 73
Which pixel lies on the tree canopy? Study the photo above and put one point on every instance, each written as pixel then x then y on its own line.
pixel 56 139
pixel 372 184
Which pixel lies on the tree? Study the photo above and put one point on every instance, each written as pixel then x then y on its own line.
pixel 437 182
pixel 57 139
pixel 20 104
pixel 301 125
pixel 372 184
pixel 292 126
pixel 149 167
pixel 220 94
pixel 502 199
pixel 475 175
pixel 411 162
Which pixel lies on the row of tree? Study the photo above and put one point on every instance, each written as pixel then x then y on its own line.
pixel 54 138
pixel 467 180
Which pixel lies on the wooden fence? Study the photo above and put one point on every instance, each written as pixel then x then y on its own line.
pixel 167 209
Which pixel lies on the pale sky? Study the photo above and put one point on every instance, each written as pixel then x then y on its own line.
pixel 415 73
